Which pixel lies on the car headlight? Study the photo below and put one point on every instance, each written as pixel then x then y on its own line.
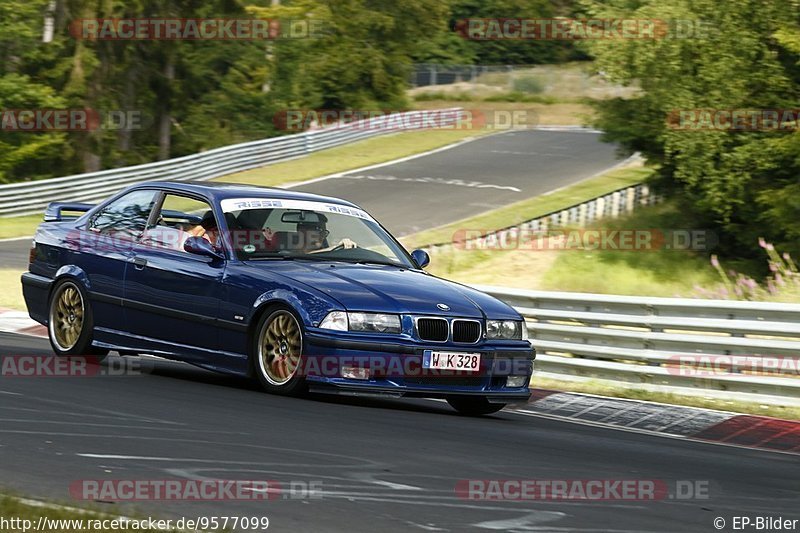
pixel 362 322
pixel 336 320
pixel 374 322
pixel 506 329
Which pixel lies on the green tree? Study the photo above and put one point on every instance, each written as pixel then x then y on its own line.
pixel 27 154
pixel 516 52
pixel 739 54
pixel 362 57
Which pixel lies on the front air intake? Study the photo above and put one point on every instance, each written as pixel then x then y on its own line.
pixel 432 329
pixel 466 331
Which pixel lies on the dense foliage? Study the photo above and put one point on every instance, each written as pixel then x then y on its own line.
pixel 195 95
pixel 745 55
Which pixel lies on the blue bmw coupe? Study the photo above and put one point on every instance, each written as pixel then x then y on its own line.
pixel 301 292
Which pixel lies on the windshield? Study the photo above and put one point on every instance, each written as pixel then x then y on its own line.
pixel 261 229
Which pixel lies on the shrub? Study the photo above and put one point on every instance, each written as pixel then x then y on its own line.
pixel 528 84
pixel 783 284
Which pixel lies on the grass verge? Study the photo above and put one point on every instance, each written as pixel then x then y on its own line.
pixel 657 272
pixel 19 226
pixel 16 511
pixel 11 290
pixel 531 113
pixel 603 389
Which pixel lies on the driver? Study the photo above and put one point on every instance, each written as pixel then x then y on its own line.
pixel 312 237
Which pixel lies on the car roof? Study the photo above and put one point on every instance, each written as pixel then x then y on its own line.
pixel 217 191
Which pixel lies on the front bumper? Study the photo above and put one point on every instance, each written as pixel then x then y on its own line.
pixel 395 367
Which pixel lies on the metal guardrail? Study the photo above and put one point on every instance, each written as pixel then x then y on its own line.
pixel 33 196
pixel 720 345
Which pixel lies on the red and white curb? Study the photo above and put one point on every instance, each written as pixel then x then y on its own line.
pixel 694 423
pixel 19 322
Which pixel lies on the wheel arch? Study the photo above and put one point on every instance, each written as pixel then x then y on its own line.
pixel 71 272
pixel 291 300
pixel 265 303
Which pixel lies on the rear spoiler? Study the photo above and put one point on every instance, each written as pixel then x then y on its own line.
pixel 54 211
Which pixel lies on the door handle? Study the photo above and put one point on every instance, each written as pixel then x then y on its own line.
pixel 139 263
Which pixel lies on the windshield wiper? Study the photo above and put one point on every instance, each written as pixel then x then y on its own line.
pixel 270 257
pixel 375 262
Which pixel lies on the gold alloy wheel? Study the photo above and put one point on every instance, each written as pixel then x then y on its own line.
pixel 280 347
pixel 66 317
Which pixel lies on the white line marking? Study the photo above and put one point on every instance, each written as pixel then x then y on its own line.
pixel 395 486
pixel 369 478
pixel 149 458
pixel 112 426
pixel 355 460
pixel 436 181
pixel 388 163
pixel 10 393
pixel 523 523
pixel 426 527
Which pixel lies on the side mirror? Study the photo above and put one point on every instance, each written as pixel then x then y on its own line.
pixel 200 246
pixel 421 258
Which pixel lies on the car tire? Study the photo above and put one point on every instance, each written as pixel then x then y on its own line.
pixel 70 325
pixel 276 352
pixel 474 406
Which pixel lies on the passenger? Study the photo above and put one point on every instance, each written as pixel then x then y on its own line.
pixel 207 229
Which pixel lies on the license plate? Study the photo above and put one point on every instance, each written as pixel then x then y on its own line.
pixel 465 362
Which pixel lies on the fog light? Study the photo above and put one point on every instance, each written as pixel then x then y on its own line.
pixel 355 372
pixel 516 381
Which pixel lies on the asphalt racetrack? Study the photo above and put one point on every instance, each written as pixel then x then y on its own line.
pixel 354 465
pixel 371 464
pixel 471 178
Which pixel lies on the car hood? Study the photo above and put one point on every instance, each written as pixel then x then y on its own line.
pixel 390 289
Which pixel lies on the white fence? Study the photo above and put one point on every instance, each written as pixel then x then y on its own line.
pixel 714 345
pixel 32 197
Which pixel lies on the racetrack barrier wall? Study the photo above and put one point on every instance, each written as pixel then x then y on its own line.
pixel 739 347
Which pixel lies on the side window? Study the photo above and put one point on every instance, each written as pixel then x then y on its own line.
pixel 126 217
pixel 179 218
